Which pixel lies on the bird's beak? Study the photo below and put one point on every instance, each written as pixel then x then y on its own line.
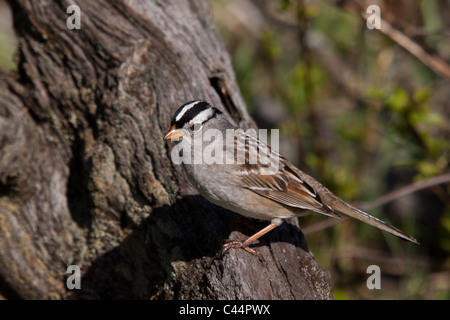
pixel 173 133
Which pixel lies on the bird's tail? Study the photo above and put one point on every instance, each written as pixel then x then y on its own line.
pixel 353 212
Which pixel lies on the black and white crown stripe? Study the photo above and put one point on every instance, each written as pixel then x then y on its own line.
pixel 194 112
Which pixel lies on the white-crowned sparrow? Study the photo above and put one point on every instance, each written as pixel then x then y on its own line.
pixel 253 189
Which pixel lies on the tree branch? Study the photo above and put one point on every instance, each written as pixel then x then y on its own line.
pixel 431 60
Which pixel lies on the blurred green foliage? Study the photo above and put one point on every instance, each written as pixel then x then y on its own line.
pixel 365 117
pixel 7 39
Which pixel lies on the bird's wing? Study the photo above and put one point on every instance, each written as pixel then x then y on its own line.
pixel 286 188
pixel 292 187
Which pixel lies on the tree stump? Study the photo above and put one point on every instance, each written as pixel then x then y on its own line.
pixel 86 177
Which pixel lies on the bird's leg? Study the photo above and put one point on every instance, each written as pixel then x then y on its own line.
pixel 245 244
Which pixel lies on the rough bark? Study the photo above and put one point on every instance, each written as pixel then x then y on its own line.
pixel 86 178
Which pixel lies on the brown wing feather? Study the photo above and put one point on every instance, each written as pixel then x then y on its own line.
pixel 286 186
pixel 285 190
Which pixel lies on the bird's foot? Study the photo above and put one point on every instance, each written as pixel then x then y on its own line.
pixel 234 244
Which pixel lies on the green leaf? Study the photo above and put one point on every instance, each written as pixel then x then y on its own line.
pixel 422 95
pixel 398 101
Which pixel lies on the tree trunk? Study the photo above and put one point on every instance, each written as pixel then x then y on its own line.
pixel 86 177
